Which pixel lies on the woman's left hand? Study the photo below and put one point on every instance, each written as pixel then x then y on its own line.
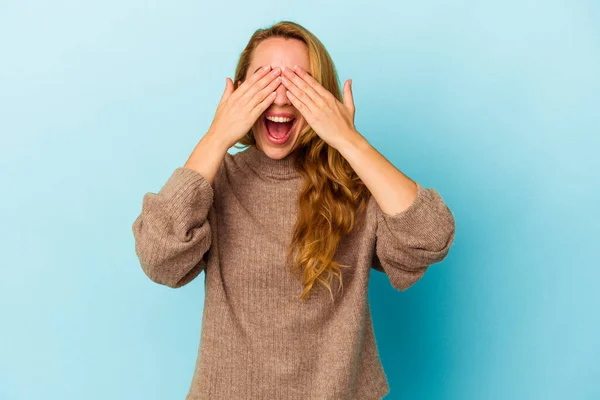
pixel 331 120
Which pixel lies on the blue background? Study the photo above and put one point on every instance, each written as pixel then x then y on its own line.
pixel 494 104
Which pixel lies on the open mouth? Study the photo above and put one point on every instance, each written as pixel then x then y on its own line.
pixel 279 132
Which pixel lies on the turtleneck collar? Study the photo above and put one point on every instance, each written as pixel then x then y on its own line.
pixel 266 166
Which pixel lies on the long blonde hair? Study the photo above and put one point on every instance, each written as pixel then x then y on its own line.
pixel 332 194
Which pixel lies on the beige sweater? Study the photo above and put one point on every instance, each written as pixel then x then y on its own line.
pixel 259 340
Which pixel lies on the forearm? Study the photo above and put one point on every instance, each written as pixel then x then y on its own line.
pixel 393 191
pixel 207 156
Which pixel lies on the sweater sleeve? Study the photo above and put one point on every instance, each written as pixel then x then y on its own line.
pixel 172 233
pixel 407 243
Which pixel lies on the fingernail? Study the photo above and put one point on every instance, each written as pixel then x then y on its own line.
pixel 267 67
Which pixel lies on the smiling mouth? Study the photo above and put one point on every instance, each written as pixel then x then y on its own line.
pixel 279 131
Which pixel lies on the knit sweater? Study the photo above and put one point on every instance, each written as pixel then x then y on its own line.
pixel 259 340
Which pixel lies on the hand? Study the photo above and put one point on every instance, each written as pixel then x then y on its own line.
pixel 239 108
pixel 331 120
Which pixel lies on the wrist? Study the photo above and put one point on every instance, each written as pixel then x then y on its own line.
pixel 350 141
pixel 216 140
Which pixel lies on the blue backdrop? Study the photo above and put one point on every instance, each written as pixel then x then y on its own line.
pixel 494 104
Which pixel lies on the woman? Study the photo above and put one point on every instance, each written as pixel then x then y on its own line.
pixel 307 201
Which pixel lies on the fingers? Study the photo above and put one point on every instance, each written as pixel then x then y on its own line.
pixel 348 99
pixel 247 84
pixel 263 105
pixel 261 84
pixel 263 93
pixel 228 90
pixel 310 80
pixel 294 80
pixel 299 94
pixel 296 102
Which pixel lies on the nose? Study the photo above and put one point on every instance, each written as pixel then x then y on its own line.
pixel 281 98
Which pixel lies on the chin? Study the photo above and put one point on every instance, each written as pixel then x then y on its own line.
pixel 276 151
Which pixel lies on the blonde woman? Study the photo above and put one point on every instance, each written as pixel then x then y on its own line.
pixel 307 200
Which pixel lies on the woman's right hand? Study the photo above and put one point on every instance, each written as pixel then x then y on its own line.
pixel 239 108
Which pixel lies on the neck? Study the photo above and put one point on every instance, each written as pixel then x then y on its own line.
pixel 264 165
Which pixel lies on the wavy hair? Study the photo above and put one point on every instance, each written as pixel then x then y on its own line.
pixel 332 194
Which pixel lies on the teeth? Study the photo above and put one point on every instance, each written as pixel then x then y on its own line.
pixel 279 119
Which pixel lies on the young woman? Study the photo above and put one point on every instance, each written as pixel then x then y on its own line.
pixel 308 200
